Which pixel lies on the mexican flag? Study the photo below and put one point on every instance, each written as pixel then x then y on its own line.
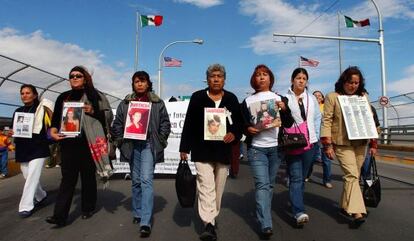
pixel 151 20
pixel 350 23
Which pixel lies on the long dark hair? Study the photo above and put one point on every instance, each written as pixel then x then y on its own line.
pixel 89 88
pixel 34 91
pixel 346 77
pixel 264 68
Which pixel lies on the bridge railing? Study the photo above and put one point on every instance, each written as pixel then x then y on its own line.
pixel 397 135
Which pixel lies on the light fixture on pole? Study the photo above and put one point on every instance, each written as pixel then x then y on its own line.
pixel 195 41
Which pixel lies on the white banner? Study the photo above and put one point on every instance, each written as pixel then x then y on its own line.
pixel 358 117
pixel 176 112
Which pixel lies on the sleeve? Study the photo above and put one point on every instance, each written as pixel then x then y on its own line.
pixel 328 115
pixel 185 142
pixel 165 124
pixel 246 117
pixel 118 125
pixel 286 115
pixel 317 118
pixel 237 119
pixel 57 112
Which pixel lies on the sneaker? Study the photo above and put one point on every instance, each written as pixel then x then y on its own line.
pixel 241 156
pixel 328 185
pixel 57 165
pixel 145 231
pixel 307 179
pixel 136 220
pixel 39 203
pixel 209 233
pixel 267 233
pixel 127 176
pixel 2 176
pixel 302 219
pixel 48 166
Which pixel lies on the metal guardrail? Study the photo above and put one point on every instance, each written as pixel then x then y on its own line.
pixel 403 135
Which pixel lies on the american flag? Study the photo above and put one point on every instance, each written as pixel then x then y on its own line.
pixel 308 62
pixel 171 62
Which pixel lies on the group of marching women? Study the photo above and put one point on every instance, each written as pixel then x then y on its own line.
pixel 87 153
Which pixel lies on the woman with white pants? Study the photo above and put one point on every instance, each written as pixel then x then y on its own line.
pixel 32 152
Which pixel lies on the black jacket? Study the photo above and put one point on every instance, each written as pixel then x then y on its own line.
pixel 192 137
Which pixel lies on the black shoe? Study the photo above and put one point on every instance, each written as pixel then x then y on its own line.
pixel 145 231
pixel 209 233
pixel 86 215
pixel 345 214
pixel 267 233
pixel 57 222
pixel 136 220
pixel 40 203
pixel 25 214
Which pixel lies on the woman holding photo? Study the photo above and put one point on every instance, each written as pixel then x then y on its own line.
pixel 142 155
pixel 262 144
pixel 86 153
pixel 32 152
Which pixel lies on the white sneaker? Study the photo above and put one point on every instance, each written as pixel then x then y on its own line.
pixel 302 219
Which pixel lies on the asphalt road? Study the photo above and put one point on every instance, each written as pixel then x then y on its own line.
pixel 392 220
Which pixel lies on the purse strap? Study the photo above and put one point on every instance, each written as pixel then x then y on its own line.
pixel 374 168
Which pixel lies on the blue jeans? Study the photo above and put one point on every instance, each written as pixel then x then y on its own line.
pixel 3 163
pixel 366 167
pixel 264 163
pixel 298 166
pixel 326 163
pixel 142 170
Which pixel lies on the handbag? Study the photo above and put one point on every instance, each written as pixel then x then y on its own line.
pixel 185 185
pixel 372 187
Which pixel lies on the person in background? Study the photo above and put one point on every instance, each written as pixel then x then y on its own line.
pixel 211 157
pixel 350 153
pixel 32 152
pixel 305 110
pixel 5 144
pixel 142 155
pixel 262 144
pixel 85 154
pixel 319 154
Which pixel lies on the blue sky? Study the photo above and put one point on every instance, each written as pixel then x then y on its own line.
pixel 100 34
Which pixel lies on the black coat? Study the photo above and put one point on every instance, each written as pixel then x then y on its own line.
pixel 192 138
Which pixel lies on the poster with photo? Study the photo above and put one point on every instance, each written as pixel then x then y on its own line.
pixel 214 124
pixel 264 114
pixel 359 121
pixel 23 124
pixel 137 121
pixel 71 120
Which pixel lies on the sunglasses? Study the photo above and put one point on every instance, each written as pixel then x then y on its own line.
pixel 77 76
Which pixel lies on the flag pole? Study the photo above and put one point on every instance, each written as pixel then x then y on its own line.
pixel 136 41
pixel 299 61
pixel 339 46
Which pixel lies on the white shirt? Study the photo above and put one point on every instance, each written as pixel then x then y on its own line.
pixel 313 112
pixel 267 137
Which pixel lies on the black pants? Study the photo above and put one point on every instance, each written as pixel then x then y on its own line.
pixel 76 158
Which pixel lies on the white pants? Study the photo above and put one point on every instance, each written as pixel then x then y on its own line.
pixel 32 190
pixel 211 179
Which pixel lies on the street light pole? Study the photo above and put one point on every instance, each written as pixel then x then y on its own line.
pixel 195 41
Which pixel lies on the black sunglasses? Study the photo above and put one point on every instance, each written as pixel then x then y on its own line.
pixel 77 76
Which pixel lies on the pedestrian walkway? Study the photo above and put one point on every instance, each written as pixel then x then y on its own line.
pixel 392 220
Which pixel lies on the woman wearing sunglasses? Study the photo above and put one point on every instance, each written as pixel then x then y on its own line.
pixel 86 153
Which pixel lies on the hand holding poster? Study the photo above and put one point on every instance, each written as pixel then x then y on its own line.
pixel 71 120
pixel 23 124
pixel 264 114
pixel 359 121
pixel 136 125
pixel 214 124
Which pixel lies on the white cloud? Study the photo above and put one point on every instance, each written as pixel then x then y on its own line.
pixel 58 58
pixel 403 9
pixel 201 3
pixel 404 85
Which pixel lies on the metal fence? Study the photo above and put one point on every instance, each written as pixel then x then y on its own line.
pixel 14 73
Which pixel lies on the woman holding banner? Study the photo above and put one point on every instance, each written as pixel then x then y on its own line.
pixel 350 153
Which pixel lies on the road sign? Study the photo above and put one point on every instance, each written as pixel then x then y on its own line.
pixel 384 101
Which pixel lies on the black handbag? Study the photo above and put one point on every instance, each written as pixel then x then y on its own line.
pixel 293 140
pixel 185 185
pixel 372 187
